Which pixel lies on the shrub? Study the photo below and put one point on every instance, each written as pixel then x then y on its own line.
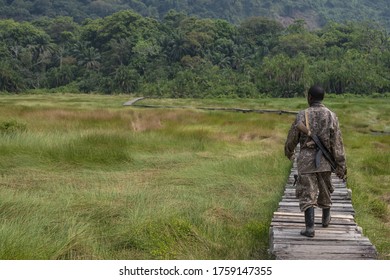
pixel 12 126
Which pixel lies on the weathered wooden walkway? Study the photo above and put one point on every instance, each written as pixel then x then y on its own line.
pixel 133 102
pixel 342 240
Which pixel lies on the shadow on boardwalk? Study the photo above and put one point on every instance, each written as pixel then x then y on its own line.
pixel 342 240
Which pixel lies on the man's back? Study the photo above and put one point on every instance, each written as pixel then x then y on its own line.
pixel 321 122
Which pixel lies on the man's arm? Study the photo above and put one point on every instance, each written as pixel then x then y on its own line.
pixel 291 141
pixel 337 149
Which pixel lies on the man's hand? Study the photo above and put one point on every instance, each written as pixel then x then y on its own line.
pixel 341 172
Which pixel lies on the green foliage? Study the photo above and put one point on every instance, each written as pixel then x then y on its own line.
pixel 285 76
pixel 21 33
pixel 187 56
pixel 318 12
pixel 12 126
pixel 10 79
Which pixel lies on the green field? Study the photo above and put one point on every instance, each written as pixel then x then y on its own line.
pixel 83 177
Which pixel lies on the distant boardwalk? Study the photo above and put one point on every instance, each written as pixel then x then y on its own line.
pixel 342 240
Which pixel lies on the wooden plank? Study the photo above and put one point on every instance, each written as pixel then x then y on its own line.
pixel 295 236
pixel 342 251
pixel 325 256
pixel 298 217
pixel 338 210
pixel 300 214
pixel 338 193
pixel 345 204
pixel 242 110
pixel 300 225
pixel 336 243
pixel 133 101
pixel 334 221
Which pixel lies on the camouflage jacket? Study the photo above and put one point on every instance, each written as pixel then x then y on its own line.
pixel 325 125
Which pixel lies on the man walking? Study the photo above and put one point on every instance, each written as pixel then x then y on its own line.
pixel 314 186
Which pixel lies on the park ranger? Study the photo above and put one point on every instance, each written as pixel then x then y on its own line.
pixel 318 134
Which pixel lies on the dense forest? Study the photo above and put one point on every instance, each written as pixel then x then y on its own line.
pixel 182 55
pixel 315 12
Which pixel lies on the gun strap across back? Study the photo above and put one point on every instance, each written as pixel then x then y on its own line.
pixel 307 121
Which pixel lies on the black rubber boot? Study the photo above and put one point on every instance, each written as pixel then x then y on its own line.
pixel 309 221
pixel 326 217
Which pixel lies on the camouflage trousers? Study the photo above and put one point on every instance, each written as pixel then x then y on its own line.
pixel 314 189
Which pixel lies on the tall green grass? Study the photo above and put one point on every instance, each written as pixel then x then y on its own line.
pixel 89 179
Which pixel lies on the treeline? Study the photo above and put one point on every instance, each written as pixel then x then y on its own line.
pixel 186 56
pixel 315 12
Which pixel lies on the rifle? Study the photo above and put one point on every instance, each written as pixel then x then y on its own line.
pixel 322 150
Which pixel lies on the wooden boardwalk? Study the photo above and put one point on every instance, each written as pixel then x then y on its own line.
pixel 342 240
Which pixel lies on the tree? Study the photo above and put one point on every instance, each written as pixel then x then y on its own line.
pixel 118 53
pixel 10 79
pixel 284 76
pixel 87 56
pixel 174 46
pixel 121 25
pixel 62 30
pixel 22 33
pixel 126 79
pixel 295 43
pixel 260 31
pixel 60 76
